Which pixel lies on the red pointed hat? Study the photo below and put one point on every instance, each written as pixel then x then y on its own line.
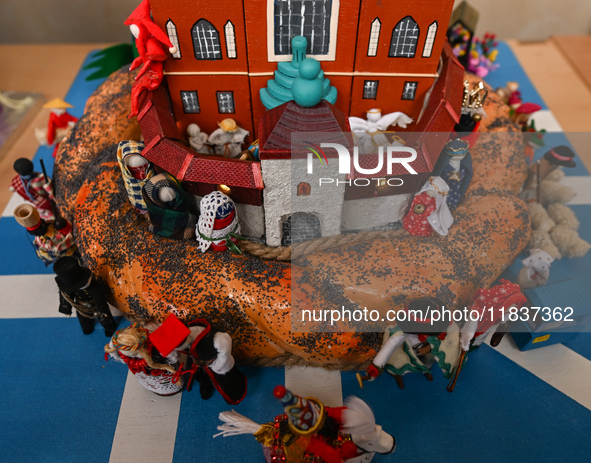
pixel 141 17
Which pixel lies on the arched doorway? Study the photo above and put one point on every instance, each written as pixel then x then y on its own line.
pixel 299 227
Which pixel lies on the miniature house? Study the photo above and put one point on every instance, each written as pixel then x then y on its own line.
pixel 229 50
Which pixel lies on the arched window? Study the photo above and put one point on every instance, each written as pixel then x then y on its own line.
pixel 308 18
pixel 174 38
pixel 430 40
pixel 405 37
pixel 206 40
pixel 374 37
pixel 230 39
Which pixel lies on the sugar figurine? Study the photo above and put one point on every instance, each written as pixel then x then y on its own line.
pixel 535 270
pixel 136 171
pixel 218 225
pixel 198 139
pixel 59 124
pixel 227 140
pixel 81 291
pixel 170 212
pixel 429 210
pixel 53 239
pixel 417 341
pixel 33 187
pixel 155 372
pixel 210 359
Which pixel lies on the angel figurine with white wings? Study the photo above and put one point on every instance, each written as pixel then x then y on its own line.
pixel 370 134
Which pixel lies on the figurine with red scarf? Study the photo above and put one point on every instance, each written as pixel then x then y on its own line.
pixel 492 306
pixel 210 359
pixel 60 122
pixel 149 40
pixel 421 337
pixel 33 187
pixel 311 431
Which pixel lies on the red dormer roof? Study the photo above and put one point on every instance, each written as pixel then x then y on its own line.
pixel 200 174
pixel 277 126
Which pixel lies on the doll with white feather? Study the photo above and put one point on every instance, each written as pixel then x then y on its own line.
pixel 309 431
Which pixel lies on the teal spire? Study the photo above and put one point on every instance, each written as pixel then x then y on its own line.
pixel 279 89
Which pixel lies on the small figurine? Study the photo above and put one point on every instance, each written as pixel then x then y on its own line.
pixel 416 342
pixel 209 353
pixel 153 371
pixel 53 239
pixel 136 170
pixel 490 304
pixel 80 290
pixel 455 168
pixel 536 269
pixel 170 213
pixel 149 41
pixel 59 124
pixel 218 225
pixel 559 156
pixel 371 133
pixel 198 139
pixel 429 210
pixel 33 187
pixel 472 109
pixel 521 114
pixel 228 139
pixel 311 431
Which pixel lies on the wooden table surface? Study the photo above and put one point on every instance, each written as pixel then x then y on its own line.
pixel 559 68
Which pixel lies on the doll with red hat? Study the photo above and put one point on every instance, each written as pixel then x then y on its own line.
pixel 81 291
pixel 153 371
pixel 149 40
pixel 209 353
pixel 311 431
pixel 33 187
pixel 53 239
pixel 424 334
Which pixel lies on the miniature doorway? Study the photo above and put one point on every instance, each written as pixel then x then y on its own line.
pixel 299 227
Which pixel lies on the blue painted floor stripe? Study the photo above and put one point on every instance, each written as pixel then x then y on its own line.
pixel 498 412
pixel 60 398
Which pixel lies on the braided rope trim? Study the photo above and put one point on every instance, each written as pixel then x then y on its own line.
pixel 296 251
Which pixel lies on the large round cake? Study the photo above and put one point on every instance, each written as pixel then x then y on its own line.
pixel 256 300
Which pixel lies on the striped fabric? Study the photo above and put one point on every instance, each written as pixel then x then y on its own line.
pixel 132 184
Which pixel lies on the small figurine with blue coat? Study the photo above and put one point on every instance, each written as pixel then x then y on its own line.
pixel 455 168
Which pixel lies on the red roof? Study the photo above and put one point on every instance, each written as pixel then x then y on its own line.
pixel 164 149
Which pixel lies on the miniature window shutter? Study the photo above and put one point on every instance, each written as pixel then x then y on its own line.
pixel 206 41
pixel 405 37
pixel 174 38
pixel 430 40
pixel 374 37
pixel 230 34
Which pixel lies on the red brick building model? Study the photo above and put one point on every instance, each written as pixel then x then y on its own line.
pixel 377 53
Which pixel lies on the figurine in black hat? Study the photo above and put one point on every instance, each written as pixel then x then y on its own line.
pixel 81 291
pixel 421 337
pixel 559 156
pixel 33 187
